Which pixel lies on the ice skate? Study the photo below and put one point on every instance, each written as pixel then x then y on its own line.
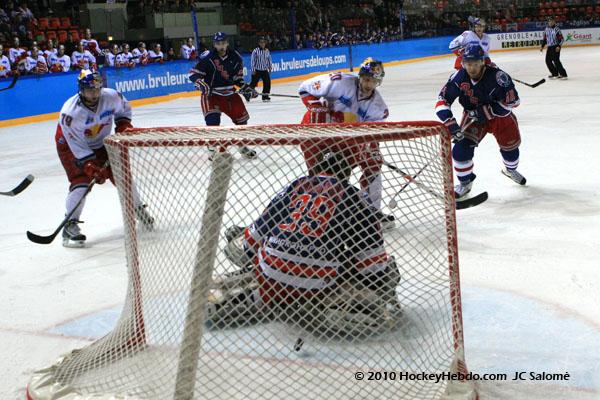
pixel 515 176
pixel 72 236
pixel 462 189
pixel 247 153
pixel 142 215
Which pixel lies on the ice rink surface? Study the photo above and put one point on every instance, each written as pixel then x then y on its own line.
pixel 529 256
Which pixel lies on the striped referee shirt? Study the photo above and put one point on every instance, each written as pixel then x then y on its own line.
pixel 553 37
pixel 261 60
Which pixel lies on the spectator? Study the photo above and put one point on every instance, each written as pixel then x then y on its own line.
pixel 156 55
pixel 70 44
pixel 171 56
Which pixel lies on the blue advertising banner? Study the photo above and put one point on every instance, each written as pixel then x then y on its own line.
pixel 41 95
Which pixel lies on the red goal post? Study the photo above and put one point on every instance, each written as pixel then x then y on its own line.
pixel 164 344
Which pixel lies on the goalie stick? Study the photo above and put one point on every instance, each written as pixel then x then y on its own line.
pixel 531 85
pixel 48 239
pixel 12 83
pixel 20 187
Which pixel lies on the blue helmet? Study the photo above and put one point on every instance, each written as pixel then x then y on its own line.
pixel 473 51
pixel 219 36
pixel 89 79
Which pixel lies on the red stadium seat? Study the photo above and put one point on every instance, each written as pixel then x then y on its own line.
pixel 51 35
pixel 43 23
pixel 62 36
pixel 76 36
pixel 65 23
pixel 54 23
pixel 543 12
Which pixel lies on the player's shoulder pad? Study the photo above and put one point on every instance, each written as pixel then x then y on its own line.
pixel 457 75
pixel 238 55
pixel 502 78
pixel 347 76
pixel 70 104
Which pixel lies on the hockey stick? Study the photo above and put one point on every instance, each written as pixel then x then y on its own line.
pixel 534 85
pixel 393 203
pixel 270 94
pixel 412 179
pixel 20 187
pixel 48 239
pixel 12 83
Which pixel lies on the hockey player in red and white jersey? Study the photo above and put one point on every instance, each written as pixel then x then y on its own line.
pixel 156 55
pixel 4 64
pixel 476 35
pixel 125 58
pixel 91 44
pixel 85 120
pixel 346 98
pixel 140 54
pixel 59 62
pixel 83 59
pixel 36 63
pixel 188 50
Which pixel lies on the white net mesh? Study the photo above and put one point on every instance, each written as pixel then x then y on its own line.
pixel 311 296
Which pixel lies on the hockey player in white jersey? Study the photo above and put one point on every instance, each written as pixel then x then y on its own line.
pixel 85 120
pixel 59 62
pixel 347 98
pixel 476 35
pixel 83 59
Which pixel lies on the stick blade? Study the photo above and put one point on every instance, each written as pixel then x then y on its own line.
pixel 543 80
pixel 40 239
pixel 20 187
pixel 472 201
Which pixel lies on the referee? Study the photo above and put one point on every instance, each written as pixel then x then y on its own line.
pixel 261 67
pixel 554 38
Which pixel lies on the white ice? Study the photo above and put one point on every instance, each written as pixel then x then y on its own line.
pixel 529 257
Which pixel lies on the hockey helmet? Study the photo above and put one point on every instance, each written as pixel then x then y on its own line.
pixel 335 164
pixel 478 21
pixel 89 79
pixel 219 37
pixel 372 68
pixel 473 51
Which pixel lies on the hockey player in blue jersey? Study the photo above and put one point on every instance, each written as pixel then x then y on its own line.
pixel 216 75
pixel 488 96
pixel 317 238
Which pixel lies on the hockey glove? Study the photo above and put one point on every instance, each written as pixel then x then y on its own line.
pixel 455 131
pixel 318 108
pixel 202 87
pixel 122 125
pixel 247 91
pixel 482 113
pixel 98 173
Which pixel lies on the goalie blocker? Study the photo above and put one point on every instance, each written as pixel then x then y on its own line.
pixel 316 255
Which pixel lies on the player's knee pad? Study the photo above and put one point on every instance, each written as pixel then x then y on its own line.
pixel 213 119
pixel 510 155
pixel 463 150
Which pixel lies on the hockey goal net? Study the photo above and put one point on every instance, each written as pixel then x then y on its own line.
pixel 169 341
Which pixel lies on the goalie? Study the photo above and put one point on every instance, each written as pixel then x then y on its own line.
pixel 316 254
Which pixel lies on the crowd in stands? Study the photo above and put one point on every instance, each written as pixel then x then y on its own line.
pixel 35 41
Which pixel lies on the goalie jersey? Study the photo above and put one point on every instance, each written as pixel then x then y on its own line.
pixel 312 231
pixel 85 129
pixel 341 92
pixel 494 88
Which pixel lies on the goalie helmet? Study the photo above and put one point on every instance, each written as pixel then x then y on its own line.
pixel 372 68
pixel 334 164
